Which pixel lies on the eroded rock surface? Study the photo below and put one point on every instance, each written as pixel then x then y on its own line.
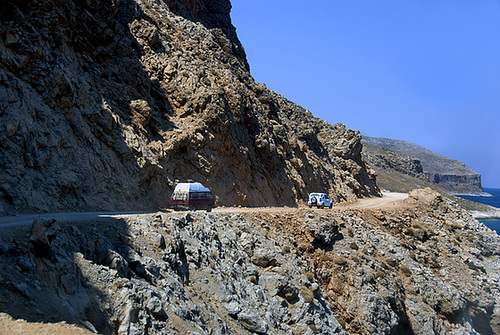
pixel 417 266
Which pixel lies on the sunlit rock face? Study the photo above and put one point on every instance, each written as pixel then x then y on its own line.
pixel 451 175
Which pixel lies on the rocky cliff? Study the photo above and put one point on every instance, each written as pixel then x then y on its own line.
pixel 105 106
pixel 408 158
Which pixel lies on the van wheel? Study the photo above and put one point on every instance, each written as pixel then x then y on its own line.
pixel 209 208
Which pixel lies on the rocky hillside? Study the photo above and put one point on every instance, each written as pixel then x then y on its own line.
pixel 104 106
pixel 408 158
pixel 416 266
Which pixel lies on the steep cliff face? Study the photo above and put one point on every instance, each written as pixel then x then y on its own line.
pixel 451 175
pixel 104 106
pixel 392 161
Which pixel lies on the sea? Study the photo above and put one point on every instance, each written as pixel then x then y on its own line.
pixel 494 201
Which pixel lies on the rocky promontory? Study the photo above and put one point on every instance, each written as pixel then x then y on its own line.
pixel 408 158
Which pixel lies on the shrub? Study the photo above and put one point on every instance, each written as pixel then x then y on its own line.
pixel 472 266
pixel 406 270
pixel 325 258
pixel 307 294
pixel 310 276
pixel 340 260
pixel 350 232
pixel 391 262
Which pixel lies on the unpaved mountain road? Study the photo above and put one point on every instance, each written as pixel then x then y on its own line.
pixel 388 199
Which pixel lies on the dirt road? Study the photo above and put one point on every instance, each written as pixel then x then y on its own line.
pixel 388 199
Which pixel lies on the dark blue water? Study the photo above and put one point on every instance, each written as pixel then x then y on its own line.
pixel 492 201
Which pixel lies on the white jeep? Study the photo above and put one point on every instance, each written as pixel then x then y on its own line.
pixel 319 200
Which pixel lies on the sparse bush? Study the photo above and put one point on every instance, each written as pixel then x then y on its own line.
pixel 406 270
pixel 353 246
pixel 413 255
pixel 260 88
pixel 379 274
pixel 310 276
pixel 419 232
pixel 307 294
pixel 472 266
pixel 340 260
pixel 436 264
pixel 418 226
pixel 313 327
pixel 350 232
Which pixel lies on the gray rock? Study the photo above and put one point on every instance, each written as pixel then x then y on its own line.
pixel 233 308
pixel 264 258
pixel 38 237
pixel 155 306
pixel 253 322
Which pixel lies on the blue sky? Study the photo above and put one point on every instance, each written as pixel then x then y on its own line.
pixel 425 71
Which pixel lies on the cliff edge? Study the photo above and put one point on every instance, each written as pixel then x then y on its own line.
pixel 408 158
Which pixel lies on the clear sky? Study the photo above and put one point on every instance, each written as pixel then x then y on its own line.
pixel 425 71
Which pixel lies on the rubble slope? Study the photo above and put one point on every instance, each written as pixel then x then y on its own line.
pixel 416 266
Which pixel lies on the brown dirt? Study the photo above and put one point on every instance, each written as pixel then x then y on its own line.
pixel 9 326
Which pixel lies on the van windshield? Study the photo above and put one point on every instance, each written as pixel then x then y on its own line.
pixel 180 195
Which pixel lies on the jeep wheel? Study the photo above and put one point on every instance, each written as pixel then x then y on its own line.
pixel 322 206
pixel 331 205
pixel 209 208
pixel 193 208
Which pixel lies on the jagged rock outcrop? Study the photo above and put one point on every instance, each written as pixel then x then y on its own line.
pixel 451 175
pixel 163 274
pixel 104 106
pixel 417 266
